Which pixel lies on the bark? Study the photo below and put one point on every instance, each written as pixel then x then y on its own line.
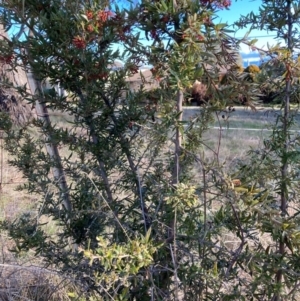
pixel 284 167
pixel 51 147
pixel 52 150
pixel 178 140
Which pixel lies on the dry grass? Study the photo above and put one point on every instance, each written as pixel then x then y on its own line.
pixel 232 144
pixel 23 278
pixel 23 281
pixel 12 201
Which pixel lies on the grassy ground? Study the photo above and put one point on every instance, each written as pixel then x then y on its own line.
pixel 231 135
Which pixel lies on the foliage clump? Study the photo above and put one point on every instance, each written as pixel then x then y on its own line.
pixel 252 69
pixel 199 93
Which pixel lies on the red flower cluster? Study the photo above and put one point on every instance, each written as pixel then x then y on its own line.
pixel 97 19
pixel 79 42
pixel 6 59
pixel 104 15
pixel 122 26
pixel 218 3
pixel 225 3
pixel 103 76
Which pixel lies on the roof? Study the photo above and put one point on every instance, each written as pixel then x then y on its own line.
pixel 142 75
pixel 116 65
pixel 143 78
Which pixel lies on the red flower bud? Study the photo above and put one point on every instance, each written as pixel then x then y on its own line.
pixel 126 29
pixel 131 123
pixel 79 42
pixel 134 69
pixel 90 28
pixel 200 37
pixel 89 14
pixel 153 33
pixel 165 19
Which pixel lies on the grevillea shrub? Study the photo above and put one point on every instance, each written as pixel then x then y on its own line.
pixel 141 212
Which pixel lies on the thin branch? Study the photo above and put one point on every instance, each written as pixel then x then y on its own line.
pixel 238 251
pixel 102 169
pixel 178 140
pixel 125 147
pixel 108 205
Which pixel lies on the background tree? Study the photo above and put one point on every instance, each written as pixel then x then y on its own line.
pixel 281 149
pixel 10 100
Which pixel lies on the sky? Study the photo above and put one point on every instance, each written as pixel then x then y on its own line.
pixel 243 7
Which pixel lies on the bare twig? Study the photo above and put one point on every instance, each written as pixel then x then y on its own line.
pixel 125 147
pixel 108 205
pixel 238 251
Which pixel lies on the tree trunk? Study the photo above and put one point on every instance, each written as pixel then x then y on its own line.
pixel 52 150
pixel 178 139
pixel 285 129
